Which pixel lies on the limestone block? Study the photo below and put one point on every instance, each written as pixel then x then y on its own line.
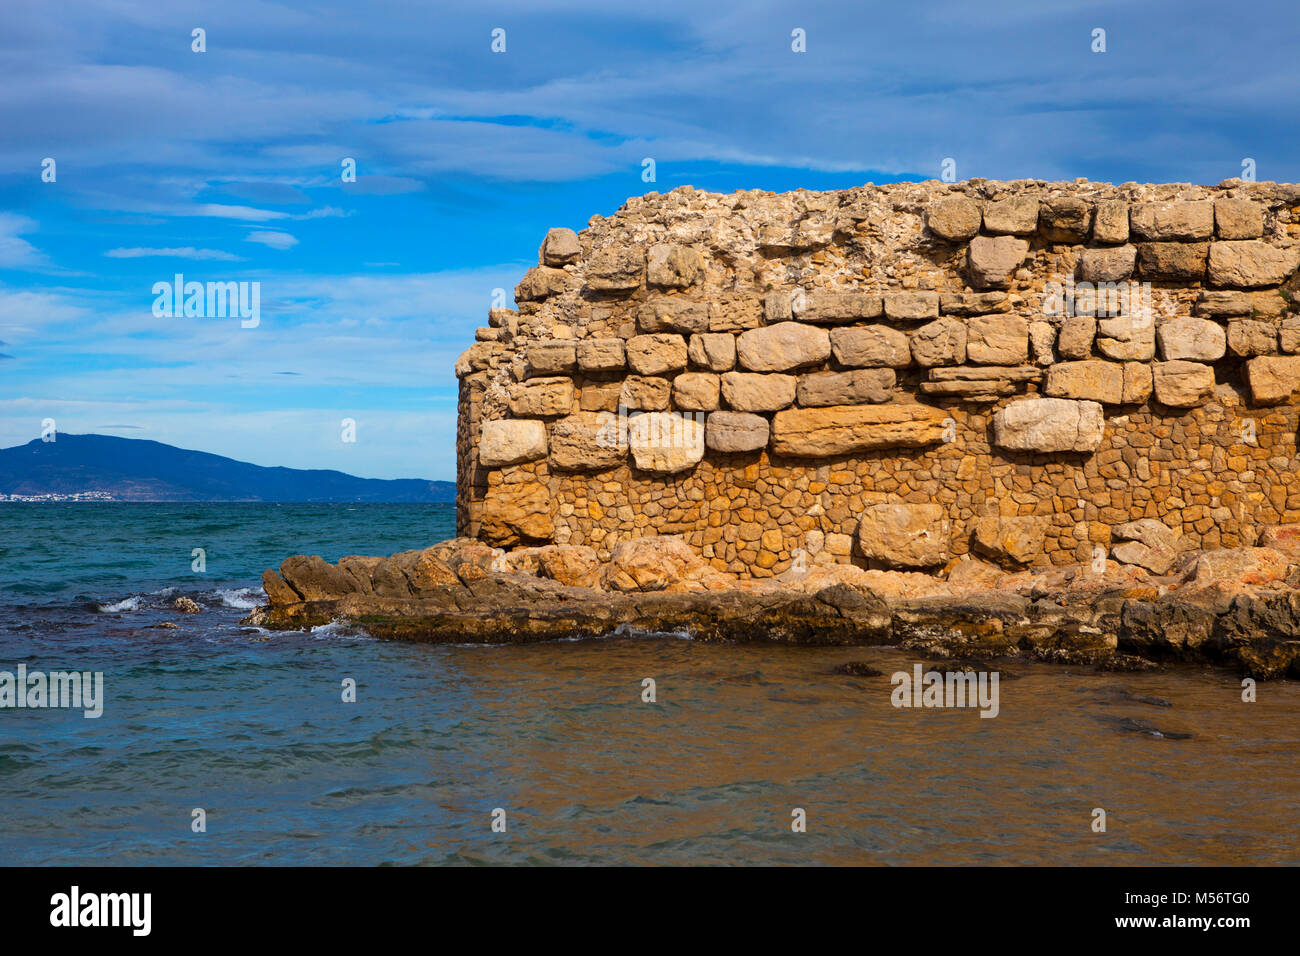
pixel 840 430
pixel 954 218
pixel 754 392
pixel 541 398
pixel 997 339
pixel 1109 264
pixel 1064 219
pixel 781 347
pixel 1166 221
pixel 715 351
pixel 508 441
pixel 871 346
pixel 837 307
pixel 942 342
pixel 645 392
pixel 1251 263
pixel 1198 340
pixel 905 535
pixel 673 266
pixel 911 306
pixel 1273 378
pixel 673 314
pixel 730 432
pixel 666 442
pixel 1238 219
pixel 601 355
pixel 558 356
pixel 656 354
pixel 992 260
pixel 589 441
pixel 1017 216
pixel 560 247
pixel 696 391
pixel 1091 379
pixel 1049 425
pixel 1010 540
pixel 1182 384
pixel 862 386
pixel 1173 261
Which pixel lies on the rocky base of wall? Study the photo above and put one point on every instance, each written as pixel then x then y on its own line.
pixel 1237 608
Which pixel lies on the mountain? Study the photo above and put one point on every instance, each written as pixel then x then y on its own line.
pixel 131 469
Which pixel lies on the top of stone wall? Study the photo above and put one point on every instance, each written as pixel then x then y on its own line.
pixel 854 302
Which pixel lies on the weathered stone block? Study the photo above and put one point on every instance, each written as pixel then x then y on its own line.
pixel 615 269
pixel 911 306
pixel 1017 216
pixel 905 535
pixel 1173 261
pixel 1001 339
pixel 781 347
pixel 840 430
pixel 673 314
pixel 974 303
pixel 954 218
pixel 1167 221
pixel 656 354
pixel 992 260
pixel 541 398
pixel 560 247
pixel 1219 303
pixel 542 282
pixel 1250 263
pixel 1110 264
pixel 647 393
pixel 1127 338
pixel 715 351
pixel 666 442
pixel 1137 382
pixel 1248 337
pixel 1198 340
pixel 1010 540
pixel 696 391
pixel 589 441
pixel 517 513
pixel 1064 219
pixel 1049 425
pixel 1273 378
pixel 730 432
pixel 552 358
pixel 863 386
pixel 601 355
pixel 1182 384
pixel 871 346
pixel 942 342
pixel 1238 219
pixel 837 307
pixel 508 441
pixel 1093 380
pixel 673 266
pixel 1075 338
pixel 1110 223
pixel 754 392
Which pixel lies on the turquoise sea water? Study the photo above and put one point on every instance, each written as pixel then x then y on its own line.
pixel 250 726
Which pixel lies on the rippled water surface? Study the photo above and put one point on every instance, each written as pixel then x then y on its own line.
pixel 250 726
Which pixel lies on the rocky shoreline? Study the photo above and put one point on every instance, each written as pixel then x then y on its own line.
pixel 1235 607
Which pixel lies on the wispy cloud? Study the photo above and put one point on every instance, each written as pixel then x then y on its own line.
pixel 175 252
pixel 273 240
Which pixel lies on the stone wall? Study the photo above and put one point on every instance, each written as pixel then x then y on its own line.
pixel 897 375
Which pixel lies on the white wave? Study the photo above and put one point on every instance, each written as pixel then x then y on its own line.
pixel 126 604
pixel 244 599
pixel 337 629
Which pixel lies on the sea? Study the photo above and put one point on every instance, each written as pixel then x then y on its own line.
pixel 225 744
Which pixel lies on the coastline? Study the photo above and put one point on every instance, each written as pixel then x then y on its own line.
pixel 1232 608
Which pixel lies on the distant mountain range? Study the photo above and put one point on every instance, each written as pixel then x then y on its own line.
pixel 130 469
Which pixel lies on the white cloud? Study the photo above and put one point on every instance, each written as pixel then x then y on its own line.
pixel 271 239
pixel 175 252
pixel 16 253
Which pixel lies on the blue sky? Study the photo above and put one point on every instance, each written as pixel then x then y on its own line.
pixel 225 166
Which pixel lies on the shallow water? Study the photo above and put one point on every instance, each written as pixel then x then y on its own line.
pixel 250 726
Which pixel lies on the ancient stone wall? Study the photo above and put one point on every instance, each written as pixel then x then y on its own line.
pixel 897 375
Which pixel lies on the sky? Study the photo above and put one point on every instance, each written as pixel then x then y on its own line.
pixel 227 166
